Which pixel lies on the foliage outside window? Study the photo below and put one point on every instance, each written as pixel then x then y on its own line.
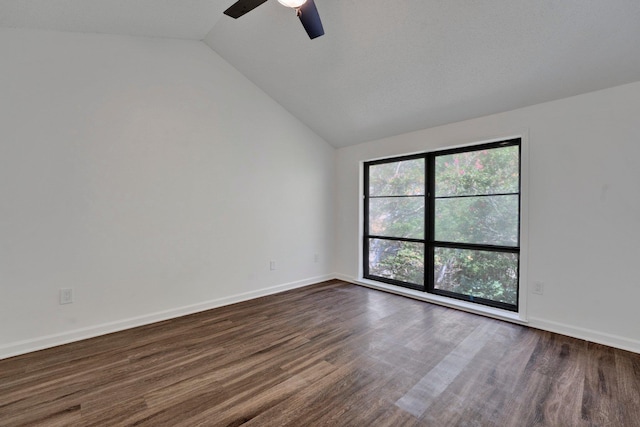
pixel 447 222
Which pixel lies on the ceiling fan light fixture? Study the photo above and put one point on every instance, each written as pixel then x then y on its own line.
pixel 306 11
pixel 292 3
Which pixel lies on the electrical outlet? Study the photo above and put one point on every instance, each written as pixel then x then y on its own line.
pixel 316 257
pixel 538 288
pixel 66 296
pixel 272 265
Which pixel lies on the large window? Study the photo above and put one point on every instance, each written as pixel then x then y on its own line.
pixel 447 222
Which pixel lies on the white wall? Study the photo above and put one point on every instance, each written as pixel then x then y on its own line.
pixel 153 179
pixel 584 207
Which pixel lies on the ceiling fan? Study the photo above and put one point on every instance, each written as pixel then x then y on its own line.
pixel 305 10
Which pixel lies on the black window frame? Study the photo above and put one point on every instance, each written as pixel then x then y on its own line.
pixel 428 240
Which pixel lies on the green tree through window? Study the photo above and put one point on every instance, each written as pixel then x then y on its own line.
pixel 447 222
pixel 396 212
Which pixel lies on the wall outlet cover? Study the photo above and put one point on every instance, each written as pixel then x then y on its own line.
pixel 538 288
pixel 66 296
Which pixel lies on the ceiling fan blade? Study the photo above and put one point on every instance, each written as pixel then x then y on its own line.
pixel 241 7
pixel 310 19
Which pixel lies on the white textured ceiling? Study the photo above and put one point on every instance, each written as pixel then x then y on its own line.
pixel 386 67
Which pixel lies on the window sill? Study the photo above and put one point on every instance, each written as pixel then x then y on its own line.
pixel 483 310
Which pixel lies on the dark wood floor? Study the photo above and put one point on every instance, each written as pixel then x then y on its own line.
pixel 330 354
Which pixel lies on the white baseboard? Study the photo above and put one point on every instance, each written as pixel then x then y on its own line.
pixel 54 340
pixel 343 277
pixel 586 334
pixel 40 343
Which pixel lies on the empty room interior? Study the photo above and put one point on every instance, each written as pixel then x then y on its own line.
pixel 341 213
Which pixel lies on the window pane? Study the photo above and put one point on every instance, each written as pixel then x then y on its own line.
pixel 489 220
pixel 490 171
pixel 481 274
pixel 403 261
pixel 397 217
pixel 404 178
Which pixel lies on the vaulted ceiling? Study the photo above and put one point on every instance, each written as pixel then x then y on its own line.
pixel 385 67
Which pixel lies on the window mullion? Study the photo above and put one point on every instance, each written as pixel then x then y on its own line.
pixel 430 191
pixel 365 242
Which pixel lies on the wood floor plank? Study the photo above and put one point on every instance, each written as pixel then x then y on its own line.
pixel 330 354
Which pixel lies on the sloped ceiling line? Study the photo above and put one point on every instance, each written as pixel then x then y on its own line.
pixel 385 68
